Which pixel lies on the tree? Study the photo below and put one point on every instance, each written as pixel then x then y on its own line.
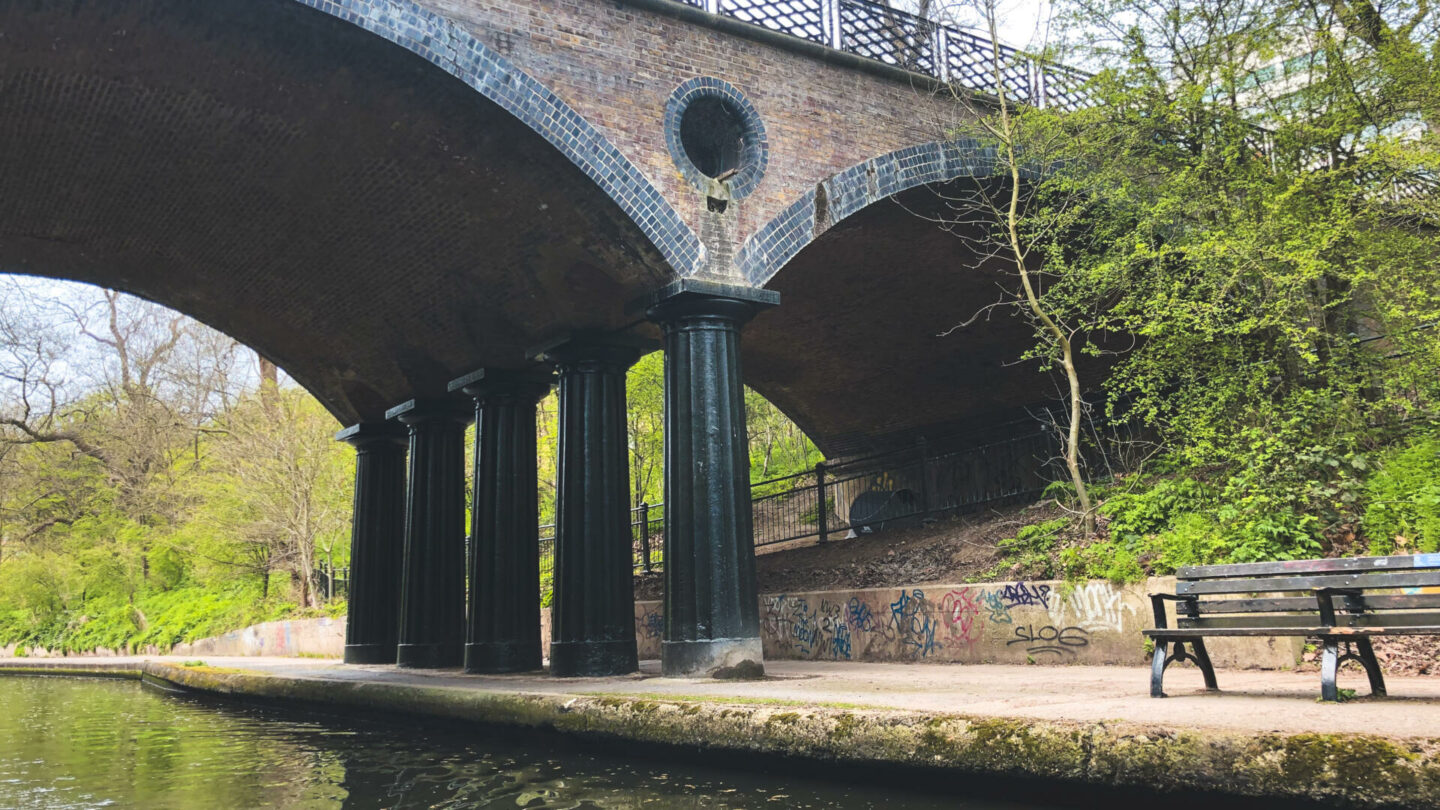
pixel 275 496
pixel 1023 222
pixel 1278 290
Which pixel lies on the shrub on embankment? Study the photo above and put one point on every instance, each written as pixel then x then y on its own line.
pixel 1311 503
pixel 159 619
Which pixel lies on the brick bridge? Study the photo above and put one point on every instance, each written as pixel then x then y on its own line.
pixel 385 195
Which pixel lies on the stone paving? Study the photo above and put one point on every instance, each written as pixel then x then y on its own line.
pixel 1255 701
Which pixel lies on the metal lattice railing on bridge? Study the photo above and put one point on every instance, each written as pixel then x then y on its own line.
pixel 894 37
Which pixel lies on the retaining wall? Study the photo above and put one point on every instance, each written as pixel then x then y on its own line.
pixel 311 637
pixel 1049 622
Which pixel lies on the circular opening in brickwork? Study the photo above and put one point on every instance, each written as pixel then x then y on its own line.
pixel 715 135
pixel 712 133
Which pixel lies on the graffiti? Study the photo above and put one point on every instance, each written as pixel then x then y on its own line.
pixel 914 626
pixel 859 616
pixel 775 623
pixel 1050 639
pixel 812 633
pixel 1095 607
pixel 960 609
pixel 652 623
pixel 996 607
pixel 1022 595
pixel 834 632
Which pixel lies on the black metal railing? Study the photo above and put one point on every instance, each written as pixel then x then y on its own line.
pixel 902 489
pixel 647 536
pixel 864 495
pixel 332 583
pixel 894 37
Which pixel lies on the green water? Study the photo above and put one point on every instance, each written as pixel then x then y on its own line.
pixel 74 743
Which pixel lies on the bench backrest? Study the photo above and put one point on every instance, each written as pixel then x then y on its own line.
pixel 1229 595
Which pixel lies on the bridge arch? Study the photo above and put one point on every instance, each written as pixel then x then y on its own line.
pixel 848 192
pixel 860 359
pixel 360 190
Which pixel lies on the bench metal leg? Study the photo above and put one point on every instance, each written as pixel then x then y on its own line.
pixel 1329 664
pixel 1359 650
pixel 1158 662
pixel 1161 661
pixel 1368 660
pixel 1202 660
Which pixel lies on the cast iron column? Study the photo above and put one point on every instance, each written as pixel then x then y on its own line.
pixel 592 614
pixel 377 542
pixel 432 596
pixel 711 616
pixel 503 632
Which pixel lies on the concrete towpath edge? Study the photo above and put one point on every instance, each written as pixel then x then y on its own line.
pixel 1345 770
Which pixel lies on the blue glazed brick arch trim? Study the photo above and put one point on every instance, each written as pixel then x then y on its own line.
pixel 757 153
pixel 454 50
pixel 862 185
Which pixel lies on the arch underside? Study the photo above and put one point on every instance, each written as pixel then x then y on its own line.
pixel 855 353
pixel 369 222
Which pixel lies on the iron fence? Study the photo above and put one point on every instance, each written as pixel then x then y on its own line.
pixel 647 540
pixel 894 37
pixel 332 582
pixel 903 489
pixel 889 491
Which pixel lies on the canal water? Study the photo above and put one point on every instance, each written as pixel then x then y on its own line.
pixel 76 743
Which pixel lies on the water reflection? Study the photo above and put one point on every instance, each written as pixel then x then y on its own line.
pixel 70 743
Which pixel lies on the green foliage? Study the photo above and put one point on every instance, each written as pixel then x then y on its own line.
pixel 1402 514
pixel 1037 537
pixel 161 619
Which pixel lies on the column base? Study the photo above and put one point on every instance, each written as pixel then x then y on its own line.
pixel 502 656
pixel 593 659
pixel 738 658
pixel 369 653
pixel 428 656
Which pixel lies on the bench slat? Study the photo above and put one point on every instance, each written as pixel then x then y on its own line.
pixel 1276 620
pixel 1292 604
pixel 1368 579
pixel 1338 632
pixel 1291 567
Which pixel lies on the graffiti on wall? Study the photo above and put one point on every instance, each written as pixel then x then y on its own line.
pixel 1031 619
pixel 960 610
pixel 1050 639
pixel 651 623
pixel 1096 607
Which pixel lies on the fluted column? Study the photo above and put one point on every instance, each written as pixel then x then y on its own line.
pixel 377 542
pixel 711 615
pixel 592 614
pixel 432 596
pixel 503 631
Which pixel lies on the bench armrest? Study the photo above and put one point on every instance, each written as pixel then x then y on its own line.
pixel 1158 600
pixel 1325 597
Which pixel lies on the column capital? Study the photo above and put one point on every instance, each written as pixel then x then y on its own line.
pixel 429 409
pixel 368 434
pixel 608 348
pixel 689 297
pixel 526 383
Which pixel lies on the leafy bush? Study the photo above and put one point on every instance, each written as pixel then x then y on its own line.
pixel 1403 495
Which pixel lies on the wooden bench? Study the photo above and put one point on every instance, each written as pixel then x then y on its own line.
pixel 1344 601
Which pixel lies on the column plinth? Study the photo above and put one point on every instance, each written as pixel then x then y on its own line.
pixel 711 615
pixel 432 595
pixel 592 614
pixel 503 627
pixel 377 542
